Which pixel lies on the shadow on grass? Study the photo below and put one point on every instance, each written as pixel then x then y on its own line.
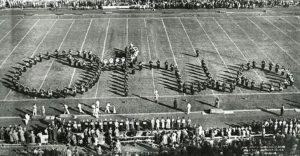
pixel 159 103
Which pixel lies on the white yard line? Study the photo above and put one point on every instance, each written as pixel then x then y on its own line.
pixel 11 30
pixel 215 48
pixel 37 49
pixel 282 31
pixel 127 32
pixel 149 52
pixel 58 50
pixel 163 96
pixel 190 41
pixel 295 61
pixel 292 25
pixel 171 48
pixel 2 22
pixel 248 36
pixel 74 70
pixel 161 113
pixel 102 55
pixel 245 58
pixel 18 43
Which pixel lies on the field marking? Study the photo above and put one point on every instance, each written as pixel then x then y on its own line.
pixel 37 49
pixel 248 36
pixel 273 41
pixel 2 22
pixel 127 32
pixel 292 25
pixel 54 59
pixel 74 70
pixel 190 41
pixel 4 61
pixel 163 96
pixel 102 55
pixel 149 52
pixel 171 48
pixel 10 30
pixel 245 58
pixel 15 49
pixel 163 113
pixel 281 30
pixel 215 48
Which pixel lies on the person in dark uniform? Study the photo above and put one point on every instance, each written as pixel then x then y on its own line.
pixel 231 87
pixel 263 65
pixel 166 65
pixel 158 64
pixel 171 67
pixel 217 85
pixel 270 66
pixel 223 87
pixel 56 54
pixel 175 103
pixel 150 64
pixel 252 84
pixel 192 89
pixel 276 67
pixel 282 110
pixel 184 87
pixel 253 64
pixel 140 66
pixel 179 86
pixel 197 53
pixel 47 55
pixel 262 86
pixel 248 65
pixel 105 125
pixel 40 57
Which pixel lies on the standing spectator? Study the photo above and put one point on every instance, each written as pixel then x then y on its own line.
pixel 107 110
pixel 43 111
pixel 217 102
pixel 79 108
pixel 282 110
pixel 188 107
pixel 114 110
pixel 156 96
pixel 34 110
pixel 27 118
pixel 66 109
pixel 175 103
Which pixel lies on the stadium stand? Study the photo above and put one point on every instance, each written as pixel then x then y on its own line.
pixel 188 4
pixel 171 136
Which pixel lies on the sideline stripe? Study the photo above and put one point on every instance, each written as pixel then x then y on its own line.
pixel 74 70
pixel 58 50
pixel 215 48
pixel 102 55
pixel 281 31
pixel 165 96
pixel 10 30
pixel 162 113
pixel 274 41
pixel 192 46
pixel 245 58
pixel 149 52
pixel 19 43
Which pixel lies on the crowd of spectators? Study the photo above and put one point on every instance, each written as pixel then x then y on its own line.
pixel 170 135
pixel 149 4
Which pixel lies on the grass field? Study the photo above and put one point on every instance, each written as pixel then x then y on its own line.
pixel 224 42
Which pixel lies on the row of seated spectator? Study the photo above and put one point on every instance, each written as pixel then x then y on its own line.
pixel 159 4
pixel 170 133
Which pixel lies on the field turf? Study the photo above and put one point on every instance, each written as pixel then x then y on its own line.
pixel 224 43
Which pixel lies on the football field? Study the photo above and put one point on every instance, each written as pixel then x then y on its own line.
pixel 223 42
